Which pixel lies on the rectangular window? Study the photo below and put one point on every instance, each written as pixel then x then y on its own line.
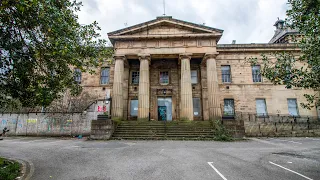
pixel 134 107
pixel 226 73
pixel 164 77
pixel 135 77
pixel 77 75
pixel 104 78
pixel 228 109
pixel 256 74
pixel 196 106
pixel 293 107
pixel 194 76
pixel 261 107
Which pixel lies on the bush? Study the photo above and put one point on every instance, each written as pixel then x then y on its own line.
pixel 220 132
pixel 9 170
pixel 116 121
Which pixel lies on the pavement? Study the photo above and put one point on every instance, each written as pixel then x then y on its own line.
pixel 266 158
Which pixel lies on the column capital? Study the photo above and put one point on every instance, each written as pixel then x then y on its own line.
pixel 119 57
pixel 210 55
pixel 144 57
pixel 185 56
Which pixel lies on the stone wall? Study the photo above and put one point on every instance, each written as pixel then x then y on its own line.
pixel 47 124
pixel 244 91
pixel 52 123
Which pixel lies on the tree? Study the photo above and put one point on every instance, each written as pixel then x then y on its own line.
pixel 303 15
pixel 41 41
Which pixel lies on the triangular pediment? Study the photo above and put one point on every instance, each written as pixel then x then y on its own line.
pixel 163 26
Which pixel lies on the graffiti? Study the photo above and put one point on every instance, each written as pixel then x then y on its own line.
pixel 102 108
pixel 19 124
pixel 32 120
pixel 4 122
pixel 48 124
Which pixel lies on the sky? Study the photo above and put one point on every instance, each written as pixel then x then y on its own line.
pixel 246 21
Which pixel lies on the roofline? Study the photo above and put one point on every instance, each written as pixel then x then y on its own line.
pixel 167 18
pixel 261 47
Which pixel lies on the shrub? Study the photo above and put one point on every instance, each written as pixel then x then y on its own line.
pixel 221 133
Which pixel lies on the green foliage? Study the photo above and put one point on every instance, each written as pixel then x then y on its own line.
pixel 220 132
pixel 9 170
pixel 41 41
pixel 117 121
pixel 304 16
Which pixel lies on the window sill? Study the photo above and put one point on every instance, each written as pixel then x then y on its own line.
pixel 228 117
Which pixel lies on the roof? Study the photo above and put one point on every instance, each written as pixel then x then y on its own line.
pixel 168 20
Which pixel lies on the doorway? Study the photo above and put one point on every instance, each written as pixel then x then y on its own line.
pixel 165 109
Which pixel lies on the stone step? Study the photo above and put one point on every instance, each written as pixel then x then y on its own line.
pixel 162 138
pixel 185 136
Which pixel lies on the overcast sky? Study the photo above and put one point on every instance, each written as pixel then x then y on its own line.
pixel 246 21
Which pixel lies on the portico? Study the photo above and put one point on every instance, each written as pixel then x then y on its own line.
pixel 165 61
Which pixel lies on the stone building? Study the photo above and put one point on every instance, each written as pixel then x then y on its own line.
pixel 169 69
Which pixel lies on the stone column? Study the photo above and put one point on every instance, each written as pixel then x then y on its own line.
pixel 117 97
pixel 186 105
pixel 144 87
pixel 213 87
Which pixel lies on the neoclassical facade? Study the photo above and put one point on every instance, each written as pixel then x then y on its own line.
pixel 168 69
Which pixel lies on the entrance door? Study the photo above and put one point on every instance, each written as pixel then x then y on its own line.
pixel 165 109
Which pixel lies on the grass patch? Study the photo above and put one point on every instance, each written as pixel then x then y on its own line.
pixel 9 170
pixel 116 121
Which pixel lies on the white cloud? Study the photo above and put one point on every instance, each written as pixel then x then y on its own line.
pixel 247 21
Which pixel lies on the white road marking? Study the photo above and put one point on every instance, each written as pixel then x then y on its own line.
pixel 211 164
pixel 290 170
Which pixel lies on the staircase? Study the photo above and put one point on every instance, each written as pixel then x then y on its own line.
pixel 159 130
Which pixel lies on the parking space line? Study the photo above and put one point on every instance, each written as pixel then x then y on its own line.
pixel 211 164
pixel 290 170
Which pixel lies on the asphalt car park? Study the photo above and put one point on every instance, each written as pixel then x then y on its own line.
pixel 70 158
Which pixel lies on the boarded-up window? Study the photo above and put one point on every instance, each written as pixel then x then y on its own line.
pixel 134 107
pixel 256 74
pixel 194 76
pixel 105 73
pixel 293 107
pixel 196 106
pixel 261 107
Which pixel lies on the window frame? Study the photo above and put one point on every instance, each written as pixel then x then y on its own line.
pixel 199 112
pixel 132 72
pixel 255 75
pixel 162 71
pixel 106 76
pixel 296 107
pixel 133 109
pixel 197 80
pixel 265 109
pixel 226 74
pixel 224 104
pixel 77 75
